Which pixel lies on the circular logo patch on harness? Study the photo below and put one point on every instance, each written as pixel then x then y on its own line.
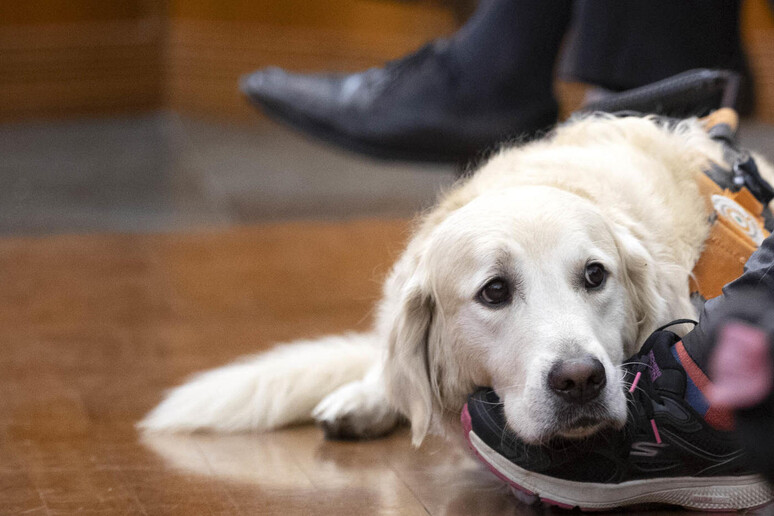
pixel 734 212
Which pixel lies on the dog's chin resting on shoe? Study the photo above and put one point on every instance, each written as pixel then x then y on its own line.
pixel 537 276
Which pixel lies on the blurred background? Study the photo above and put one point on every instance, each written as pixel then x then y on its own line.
pixel 125 115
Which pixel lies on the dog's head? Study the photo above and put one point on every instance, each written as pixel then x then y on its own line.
pixel 532 291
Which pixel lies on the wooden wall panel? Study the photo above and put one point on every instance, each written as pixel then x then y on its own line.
pixel 79 57
pixel 39 12
pixel 211 44
pixel 758 31
pixel 89 56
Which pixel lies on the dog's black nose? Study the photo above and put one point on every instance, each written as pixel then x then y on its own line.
pixel 577 380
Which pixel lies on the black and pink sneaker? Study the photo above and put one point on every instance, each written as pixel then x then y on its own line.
pixel 673 450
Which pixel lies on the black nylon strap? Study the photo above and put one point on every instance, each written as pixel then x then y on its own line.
pixel 743 171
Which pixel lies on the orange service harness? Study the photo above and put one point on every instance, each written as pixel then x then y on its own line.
pixel 737 199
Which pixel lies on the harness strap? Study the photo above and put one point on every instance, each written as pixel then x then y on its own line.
pixel 722 125
pixel 738 199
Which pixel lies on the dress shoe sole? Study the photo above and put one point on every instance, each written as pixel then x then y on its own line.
pixel 323 132
pixel 327 134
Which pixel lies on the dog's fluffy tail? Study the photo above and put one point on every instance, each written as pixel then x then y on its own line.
pixel 265 391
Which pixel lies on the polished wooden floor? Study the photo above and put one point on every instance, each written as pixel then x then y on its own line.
pixel 94 328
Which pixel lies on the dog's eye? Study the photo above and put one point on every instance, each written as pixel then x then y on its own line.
pixel 595 275
pixel 495 292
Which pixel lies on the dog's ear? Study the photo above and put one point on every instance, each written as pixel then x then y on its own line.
pixel 408 364
pixel 641 279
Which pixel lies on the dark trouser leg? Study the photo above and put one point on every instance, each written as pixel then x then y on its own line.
pixel 511 44
pixel 622 44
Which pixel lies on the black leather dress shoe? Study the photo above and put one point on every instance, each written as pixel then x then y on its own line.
pixel 419 108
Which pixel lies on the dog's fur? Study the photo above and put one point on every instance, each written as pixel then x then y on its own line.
pixel 616 191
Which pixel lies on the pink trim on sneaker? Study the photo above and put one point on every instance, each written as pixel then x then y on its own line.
pixel 655 431
pixel 636 381
pixel 467 428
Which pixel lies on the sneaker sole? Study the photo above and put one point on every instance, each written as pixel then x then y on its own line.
pixel 709 494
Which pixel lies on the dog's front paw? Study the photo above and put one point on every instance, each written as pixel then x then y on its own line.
pixel 357 410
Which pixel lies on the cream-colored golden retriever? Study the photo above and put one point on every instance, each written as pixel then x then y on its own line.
pixel 537 276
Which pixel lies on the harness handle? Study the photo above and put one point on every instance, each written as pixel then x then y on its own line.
pixel 722 124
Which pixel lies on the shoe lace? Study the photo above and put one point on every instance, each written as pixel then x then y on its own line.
pixel 642 392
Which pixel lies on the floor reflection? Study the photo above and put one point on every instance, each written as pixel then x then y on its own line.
pixel 386 473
